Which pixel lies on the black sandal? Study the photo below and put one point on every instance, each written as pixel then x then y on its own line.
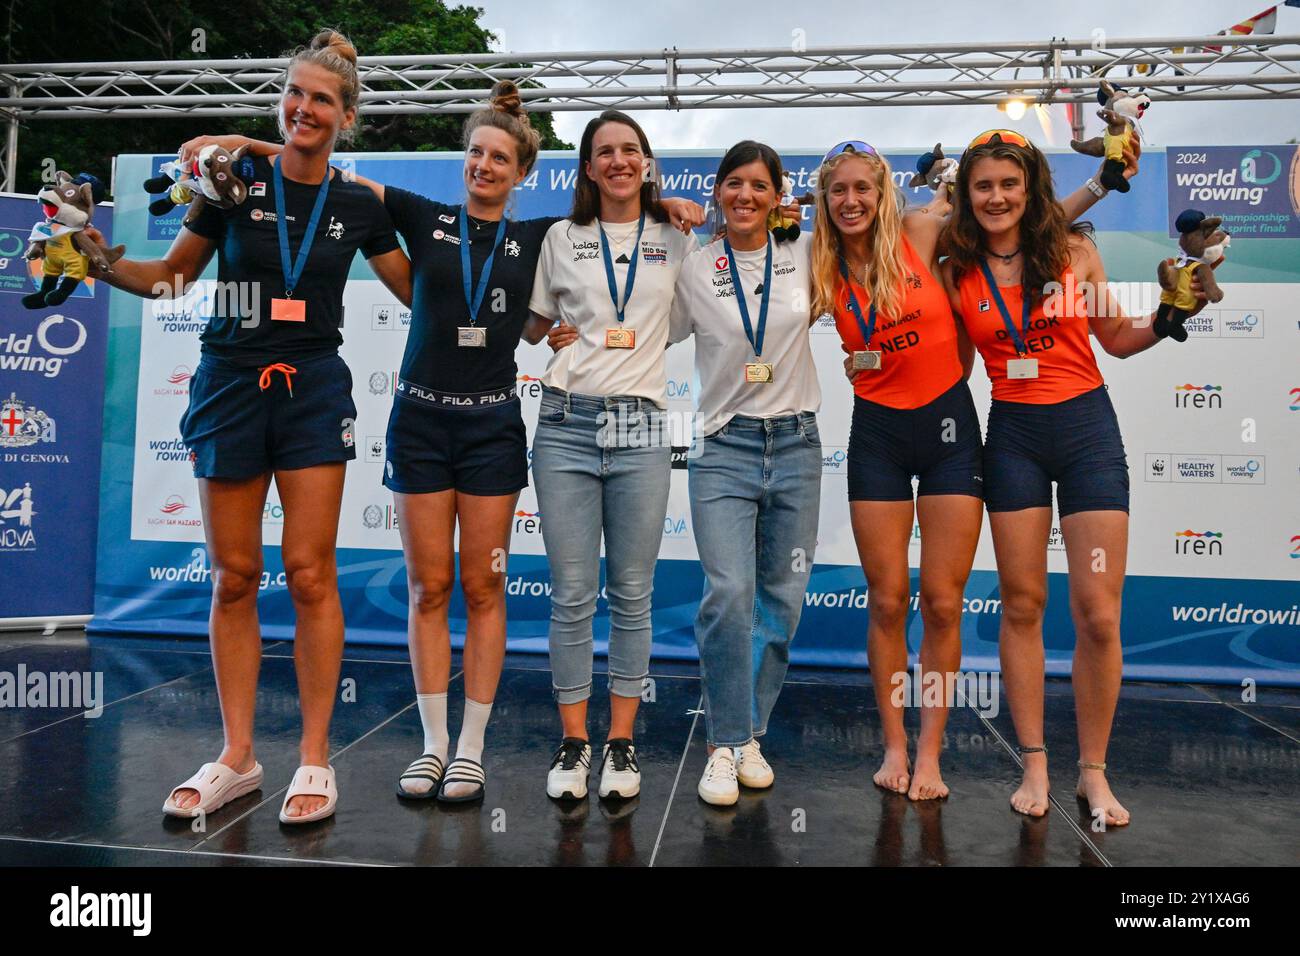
pixel 463 770
pixel 425 767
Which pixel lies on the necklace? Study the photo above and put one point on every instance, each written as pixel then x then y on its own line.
pixel 617 239
pixel 859 276
pixel 1008 256
pixel 481 223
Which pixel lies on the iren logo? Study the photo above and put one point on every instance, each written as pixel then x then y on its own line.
pixel 1198 396
pixel 75 909
pixel 1207 543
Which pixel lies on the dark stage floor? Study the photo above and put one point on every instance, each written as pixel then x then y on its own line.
pixel 1209 780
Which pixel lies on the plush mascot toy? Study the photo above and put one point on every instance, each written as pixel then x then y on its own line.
pixel 1121 110
pixel 1202 243
pixel 936 171
pixel 216 175
pixel 68 205
pixel 784 228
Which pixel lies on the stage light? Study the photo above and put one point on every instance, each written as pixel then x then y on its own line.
pixel 1014 108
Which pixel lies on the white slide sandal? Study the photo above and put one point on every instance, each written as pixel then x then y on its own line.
pixel 217 785
pixel 311 781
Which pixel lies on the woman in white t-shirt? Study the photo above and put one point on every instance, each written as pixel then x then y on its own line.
pixel 755 468
pixel 602 452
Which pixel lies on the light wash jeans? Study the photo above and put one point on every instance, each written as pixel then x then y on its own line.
pixel 755 494
pixel 599 465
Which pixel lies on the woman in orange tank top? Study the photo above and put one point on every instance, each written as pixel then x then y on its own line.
pixel 874 268
pixel 1029 287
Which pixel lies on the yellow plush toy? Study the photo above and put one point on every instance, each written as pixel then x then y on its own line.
pixel 68 206
pixel 1121 111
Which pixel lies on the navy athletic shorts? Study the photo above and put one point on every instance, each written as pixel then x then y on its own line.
pixel 1075 443
pixel 473 443
pixel 939 443
pixel 242 422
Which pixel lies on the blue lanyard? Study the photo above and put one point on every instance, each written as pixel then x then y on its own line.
pixel 755 340
pixel 475 302
pixel 868 328
pixel 1006 316
pixel 619 310
pixel 293 273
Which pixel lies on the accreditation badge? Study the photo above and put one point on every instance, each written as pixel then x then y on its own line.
pixel 620 338
pixel 758 373
pixel 471 337
pixel 1022 368
pixel 866 361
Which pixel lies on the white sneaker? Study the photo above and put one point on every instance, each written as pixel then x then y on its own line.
pixel 620 775
pixel 567 779
pixel 718 785
pixel 751 769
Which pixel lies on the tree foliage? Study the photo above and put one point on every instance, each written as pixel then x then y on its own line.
pixel 128 30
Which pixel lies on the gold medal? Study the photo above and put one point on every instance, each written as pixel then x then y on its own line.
pixel 758 372
pixel 620 338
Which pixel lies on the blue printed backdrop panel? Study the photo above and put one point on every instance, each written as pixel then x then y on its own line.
pixel 1214 556
pixel 51 428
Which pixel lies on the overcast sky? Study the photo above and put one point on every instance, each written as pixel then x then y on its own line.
pixel 552 26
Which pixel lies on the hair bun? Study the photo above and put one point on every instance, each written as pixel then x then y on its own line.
pixel 337 43
pixel 505 98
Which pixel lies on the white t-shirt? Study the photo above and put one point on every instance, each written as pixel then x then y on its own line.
pixel 706 305
pixel 571 287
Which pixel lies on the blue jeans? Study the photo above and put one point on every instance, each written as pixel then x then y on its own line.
pixel 755 494
pixel 599 466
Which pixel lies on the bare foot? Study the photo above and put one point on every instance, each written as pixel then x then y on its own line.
pixel 1031 798
pixel 1092 786
pixel 927 784
pixel 301 806
pixel 241 763
pixel 893 774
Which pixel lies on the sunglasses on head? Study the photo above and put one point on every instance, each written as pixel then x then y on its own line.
pixel 996 136
pixel 849 146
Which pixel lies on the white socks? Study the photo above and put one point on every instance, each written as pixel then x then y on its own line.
pixel 433 716
pixel 470 743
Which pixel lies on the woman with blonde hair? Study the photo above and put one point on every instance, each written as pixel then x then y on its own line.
pixel 272 398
